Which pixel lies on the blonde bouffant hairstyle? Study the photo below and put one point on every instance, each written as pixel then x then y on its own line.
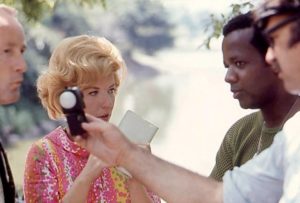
pixel 77 61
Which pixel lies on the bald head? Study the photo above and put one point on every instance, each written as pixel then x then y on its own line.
pixel 4 9
pixel 8 15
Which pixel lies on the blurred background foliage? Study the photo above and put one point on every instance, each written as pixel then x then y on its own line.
pixel 141 29
pixel 35 10
pixel 215 24
pixel 141 26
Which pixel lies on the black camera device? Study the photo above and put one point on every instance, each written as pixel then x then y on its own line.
pixel 71 101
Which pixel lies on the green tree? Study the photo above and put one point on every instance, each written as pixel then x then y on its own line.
pixel 214 26
pixel 35 10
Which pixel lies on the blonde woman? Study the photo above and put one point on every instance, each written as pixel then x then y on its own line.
pixel 59 170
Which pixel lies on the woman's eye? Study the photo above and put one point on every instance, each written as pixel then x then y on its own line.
pixel 7 51
pixel 112 90
pixel 93 93
pixel 22 50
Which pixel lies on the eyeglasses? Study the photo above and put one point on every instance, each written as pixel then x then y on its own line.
pixel 281 24
pixel 264 14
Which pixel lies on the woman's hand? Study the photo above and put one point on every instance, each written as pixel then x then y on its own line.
pixel 145 146
pixel 81 186
pixel 93 168
pixel 105 141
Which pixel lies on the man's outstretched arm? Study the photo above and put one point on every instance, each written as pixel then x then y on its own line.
pixel 170 182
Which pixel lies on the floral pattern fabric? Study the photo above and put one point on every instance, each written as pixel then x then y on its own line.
pixel 54 162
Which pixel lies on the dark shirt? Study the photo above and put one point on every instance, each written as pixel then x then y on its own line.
pixel 6 178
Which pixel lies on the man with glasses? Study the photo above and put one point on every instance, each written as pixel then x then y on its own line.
pixel 272 176
pixel 280 22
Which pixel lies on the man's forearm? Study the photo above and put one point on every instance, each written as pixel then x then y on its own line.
pixel 171 182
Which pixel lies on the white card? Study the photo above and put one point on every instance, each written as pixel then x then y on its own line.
pixel 137 129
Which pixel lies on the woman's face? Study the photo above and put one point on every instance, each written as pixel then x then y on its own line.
pixel 99 98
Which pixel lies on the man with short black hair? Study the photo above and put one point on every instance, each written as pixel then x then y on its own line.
pixel 255 85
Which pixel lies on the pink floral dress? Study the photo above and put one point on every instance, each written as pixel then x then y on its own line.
pixel 54 162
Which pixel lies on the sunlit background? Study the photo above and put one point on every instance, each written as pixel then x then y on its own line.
pixel 172 81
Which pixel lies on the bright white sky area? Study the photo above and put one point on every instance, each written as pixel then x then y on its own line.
pixel 203 105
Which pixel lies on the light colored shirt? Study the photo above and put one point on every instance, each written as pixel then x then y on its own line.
pixel 272 176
